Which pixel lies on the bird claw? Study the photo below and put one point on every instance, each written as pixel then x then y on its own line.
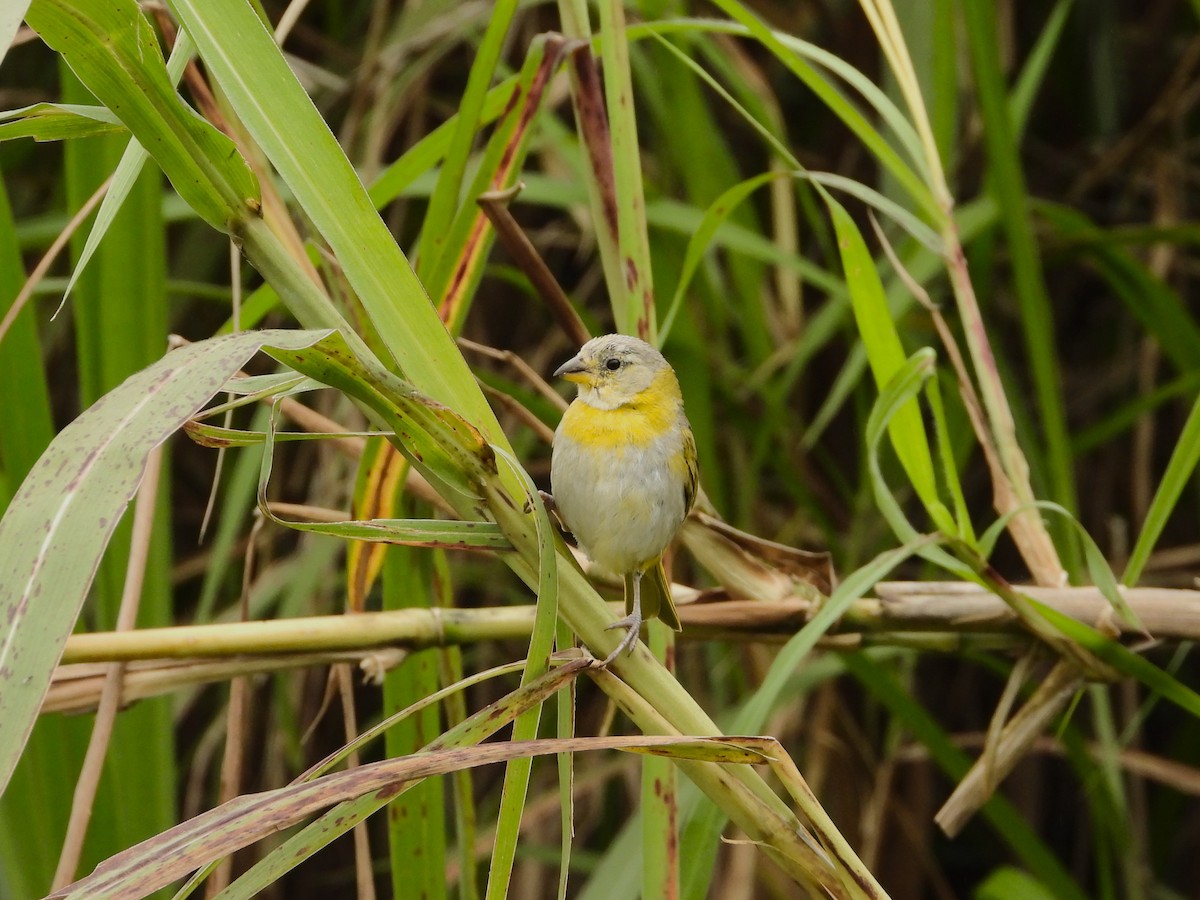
pixel 633 624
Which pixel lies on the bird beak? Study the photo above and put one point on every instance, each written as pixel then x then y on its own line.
pixel 573 370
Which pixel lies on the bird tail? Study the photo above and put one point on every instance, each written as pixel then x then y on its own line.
pixel 656 596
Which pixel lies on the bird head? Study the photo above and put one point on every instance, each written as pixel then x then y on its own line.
pixel 613 369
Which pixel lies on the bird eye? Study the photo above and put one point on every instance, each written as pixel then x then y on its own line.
pixel 612 364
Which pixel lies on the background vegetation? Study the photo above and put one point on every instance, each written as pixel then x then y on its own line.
pixel 795 200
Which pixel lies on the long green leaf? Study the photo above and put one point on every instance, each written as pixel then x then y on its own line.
pixel 632 296
pixel 241 54
pixel 1123 659
pixel 884 350
pixel 30 842
pixel 61 519
pixel 837 104
pixel 1152 301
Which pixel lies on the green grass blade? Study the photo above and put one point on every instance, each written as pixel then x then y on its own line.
pixel 28 424
pixel 58 122
pixel 564 728
pixel 1033 72
pixel 127 171
pixel 1156 306
pixel 837 104
pixel 698 244
pixel 1179 471
pixel 880 102
pixel 1123 660
pixel 1005 883
pixel 950 479
pixel 660 804
pixel 917 229
pixel 29 843
pixel 120 327
pixel 884 350
pixel 416 821
pixel 446 198
pixel 112 48
pixel 541 644
pixel 454 276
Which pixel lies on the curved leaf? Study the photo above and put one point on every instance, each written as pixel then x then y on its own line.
pixel 65 512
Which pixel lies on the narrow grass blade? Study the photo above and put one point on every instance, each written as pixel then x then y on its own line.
pixel 698 244
pixel 564 724
pixel 1156 306
pixel 121 326
pixel 950 479
pixel 58 122
pixel 424 156
pixel 917 229
pixel 525 727
pixel 837 104
pixel 899 394
pixel 1033 72
pixel 1006 882
pixel 113 49
pixel 127 171
pixel 660 805
pixel 454 276
pixel 28 423
pixel 1123 660
pixel 447 195
pixel 1175 479
pixel 417 819
pixel 884 350
pixel 43 783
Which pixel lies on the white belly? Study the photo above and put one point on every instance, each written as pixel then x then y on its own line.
pixel 623 504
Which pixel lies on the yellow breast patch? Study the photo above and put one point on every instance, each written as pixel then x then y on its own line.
pixel 638 423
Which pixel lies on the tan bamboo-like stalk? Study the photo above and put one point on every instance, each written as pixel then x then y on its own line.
pixel 900 608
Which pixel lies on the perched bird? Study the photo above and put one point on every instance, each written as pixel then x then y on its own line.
pixel 623 471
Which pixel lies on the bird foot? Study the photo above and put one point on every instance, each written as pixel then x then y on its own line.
pixel 633 624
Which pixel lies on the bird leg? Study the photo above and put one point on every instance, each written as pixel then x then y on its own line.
pixel 632 622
